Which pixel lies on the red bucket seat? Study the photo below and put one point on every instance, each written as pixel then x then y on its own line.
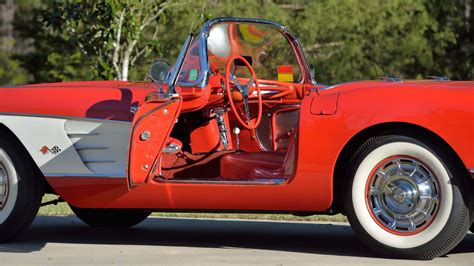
pixel 259 165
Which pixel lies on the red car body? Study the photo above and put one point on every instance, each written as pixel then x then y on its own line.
pixel 332 118
pixel 333 123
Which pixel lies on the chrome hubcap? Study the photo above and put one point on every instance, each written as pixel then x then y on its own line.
pixel 3 186
pixel 403 194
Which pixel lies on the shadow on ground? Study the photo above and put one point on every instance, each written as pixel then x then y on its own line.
pixel 313 238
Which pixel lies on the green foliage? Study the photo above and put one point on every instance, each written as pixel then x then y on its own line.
pixel 54 56
pixel 344 40
pixel 10 71
pixel 352 39
pixel 248 8
pixel 92 39
pixel 455 20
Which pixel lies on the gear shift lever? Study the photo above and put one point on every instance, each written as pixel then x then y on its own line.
pixel 236 131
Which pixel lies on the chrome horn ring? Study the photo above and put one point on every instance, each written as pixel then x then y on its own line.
pixel 4 185
pixel 244 91
pixel 403 195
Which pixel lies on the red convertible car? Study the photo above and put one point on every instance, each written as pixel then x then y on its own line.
pixel 239 124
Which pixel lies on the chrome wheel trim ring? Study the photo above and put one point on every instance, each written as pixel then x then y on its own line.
pixel 403 195
pixel 4 185
pixel 11 195
pixel 363 213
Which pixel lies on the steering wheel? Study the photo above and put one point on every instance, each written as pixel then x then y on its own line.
pixel 244 90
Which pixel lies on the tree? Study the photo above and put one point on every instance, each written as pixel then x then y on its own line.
pixel 344 40
pixel 348 40
pixel 49 56
pixel 454 19
pixel 115 33
pixel 10 71
pixel 92 39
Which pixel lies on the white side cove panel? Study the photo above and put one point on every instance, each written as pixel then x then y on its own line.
pixel 102 146
pixel 73 146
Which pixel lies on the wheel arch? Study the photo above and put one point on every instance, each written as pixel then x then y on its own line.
pixel 6 132
pixel 388 128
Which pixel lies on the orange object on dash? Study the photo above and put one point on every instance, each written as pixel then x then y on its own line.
pixel 285 73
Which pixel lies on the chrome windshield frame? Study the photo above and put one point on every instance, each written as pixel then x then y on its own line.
pixel 203 56
pixel 173 79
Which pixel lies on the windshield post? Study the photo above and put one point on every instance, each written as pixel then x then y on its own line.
pixel 312 78
pixel 179 64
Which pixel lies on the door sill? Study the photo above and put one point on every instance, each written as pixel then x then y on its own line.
pixel 276 181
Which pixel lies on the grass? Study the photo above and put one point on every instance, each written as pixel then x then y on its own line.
pixel 62 209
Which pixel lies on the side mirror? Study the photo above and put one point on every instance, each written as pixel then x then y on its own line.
pixel 159 71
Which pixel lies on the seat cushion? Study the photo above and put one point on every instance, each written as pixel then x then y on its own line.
pixel 239 165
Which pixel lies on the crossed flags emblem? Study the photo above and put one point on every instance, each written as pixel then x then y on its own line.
pixel 54 150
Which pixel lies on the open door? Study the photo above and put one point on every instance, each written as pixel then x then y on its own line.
pixel 150 130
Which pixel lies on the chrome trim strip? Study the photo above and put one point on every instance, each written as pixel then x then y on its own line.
pixel 91 148
pixel 99 161
pixel 471 170
pixel 83 134
pixel 116 175
pixel 210 23
pixel 66 117
pixel 391 79
pixel 312 78
pixel 437 78
pixel 278 181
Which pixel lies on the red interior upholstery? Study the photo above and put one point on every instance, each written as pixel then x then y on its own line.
pixel 259 165
pixel 287 168
pixel 239 165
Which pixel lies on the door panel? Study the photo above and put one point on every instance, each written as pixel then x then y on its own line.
pixel 151 127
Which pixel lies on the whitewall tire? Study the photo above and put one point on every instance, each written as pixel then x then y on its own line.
pixel 405 200
pixel 8 186
pixel 21 189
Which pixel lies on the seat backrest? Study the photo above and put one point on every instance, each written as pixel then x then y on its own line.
pixel 288 167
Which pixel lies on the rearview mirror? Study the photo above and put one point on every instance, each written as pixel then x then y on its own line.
pixel 159 71
pixel 238 62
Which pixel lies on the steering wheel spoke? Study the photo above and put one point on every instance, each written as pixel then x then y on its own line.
pixel 234 79
pixel 244 90
pixel 247 109
pixel 250 82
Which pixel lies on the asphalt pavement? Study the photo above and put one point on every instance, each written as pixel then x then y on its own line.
pixel 66 240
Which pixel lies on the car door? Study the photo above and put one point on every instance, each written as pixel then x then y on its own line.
pixel 150 129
